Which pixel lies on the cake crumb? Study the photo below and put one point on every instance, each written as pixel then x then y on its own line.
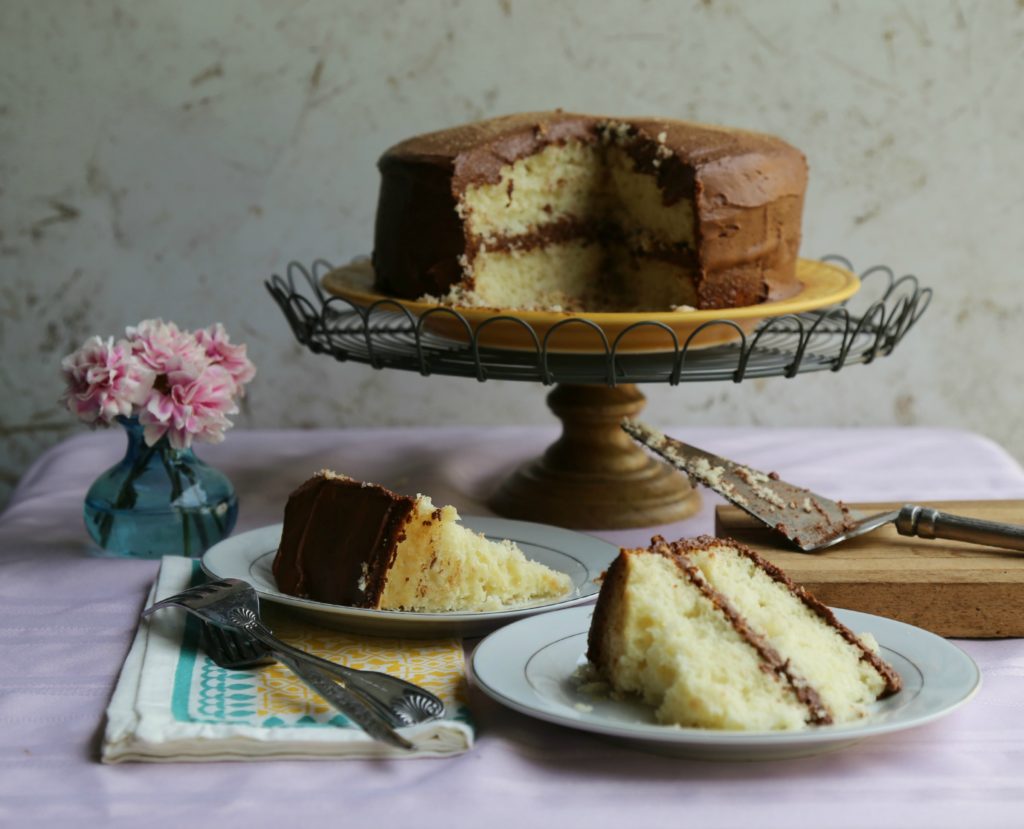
pixel 703 469
pixel 758 482
pixel 647 435
pixel 586 680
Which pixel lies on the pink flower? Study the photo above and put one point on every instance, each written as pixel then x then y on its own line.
pixel 219 351
pixel 163 347
pixel 186 405
pixel 179 385
pixel 104 380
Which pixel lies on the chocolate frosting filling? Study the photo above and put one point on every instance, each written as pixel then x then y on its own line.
pixel 568 228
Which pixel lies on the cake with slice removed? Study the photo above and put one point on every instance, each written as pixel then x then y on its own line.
pixel 714 636
pixel 359 544
pixel 568 211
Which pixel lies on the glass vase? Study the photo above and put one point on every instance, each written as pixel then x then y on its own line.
pixel 159 501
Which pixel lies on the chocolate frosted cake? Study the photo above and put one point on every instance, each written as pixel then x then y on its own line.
pixel 352 543
pixel 713 636
pixel 578 212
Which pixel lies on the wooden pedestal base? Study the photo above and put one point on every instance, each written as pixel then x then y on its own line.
pixel 594 476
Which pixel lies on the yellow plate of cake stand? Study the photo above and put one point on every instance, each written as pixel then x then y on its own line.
pixel 823 285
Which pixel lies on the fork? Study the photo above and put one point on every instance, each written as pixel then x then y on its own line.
pixel 232 651
pixel 233 603
pixel 236 650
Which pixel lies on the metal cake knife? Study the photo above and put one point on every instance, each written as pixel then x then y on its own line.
pixel 811 521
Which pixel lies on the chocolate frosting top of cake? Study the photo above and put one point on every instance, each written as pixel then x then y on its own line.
pixel 479 150
pixel 476 152
pixel 339 540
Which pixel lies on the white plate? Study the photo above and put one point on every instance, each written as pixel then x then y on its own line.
pixel 249 556
pixel 529 665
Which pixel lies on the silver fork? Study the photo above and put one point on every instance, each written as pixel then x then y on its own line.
pixel 234 649
pixel 237 649
pixel 231 650
pixel 233 603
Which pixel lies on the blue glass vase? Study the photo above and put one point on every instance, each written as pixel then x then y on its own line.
pixel 159 501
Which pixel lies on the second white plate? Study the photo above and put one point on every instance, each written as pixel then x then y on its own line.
pixel 249 556
pixel 529 667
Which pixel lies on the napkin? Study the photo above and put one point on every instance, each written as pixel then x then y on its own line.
pixel 174 704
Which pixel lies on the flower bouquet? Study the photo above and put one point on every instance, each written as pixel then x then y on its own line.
pixel 167 388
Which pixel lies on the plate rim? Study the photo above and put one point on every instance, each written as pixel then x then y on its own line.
pixel 250 557
pixel 711 739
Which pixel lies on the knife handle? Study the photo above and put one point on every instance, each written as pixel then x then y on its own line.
pixel 925 522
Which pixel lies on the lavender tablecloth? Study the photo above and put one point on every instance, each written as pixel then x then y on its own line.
pixel 66 619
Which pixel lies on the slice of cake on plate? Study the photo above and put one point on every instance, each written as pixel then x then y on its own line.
pixel 352 543
pixel 714 636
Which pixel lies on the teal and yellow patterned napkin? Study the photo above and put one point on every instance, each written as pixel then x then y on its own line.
pixel 173 703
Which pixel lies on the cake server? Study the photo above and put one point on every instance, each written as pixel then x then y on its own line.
pixel 811 521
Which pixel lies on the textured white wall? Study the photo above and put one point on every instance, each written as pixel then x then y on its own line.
pixel 164 158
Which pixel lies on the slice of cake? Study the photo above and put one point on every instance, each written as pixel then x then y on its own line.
pixel 713 636
pixel 353 543
pixel 554 210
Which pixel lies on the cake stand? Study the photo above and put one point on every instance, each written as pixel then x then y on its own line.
pixel 594 476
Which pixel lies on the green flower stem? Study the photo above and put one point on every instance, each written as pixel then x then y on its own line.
pixel 174 475
pixel 126 495
pixel 197 517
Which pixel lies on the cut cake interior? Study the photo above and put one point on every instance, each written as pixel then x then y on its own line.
pixel 583 229
pixel 713 636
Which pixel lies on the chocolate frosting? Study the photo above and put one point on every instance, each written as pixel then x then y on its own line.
pixel 339 540
pixel 475 153
pixel 748 191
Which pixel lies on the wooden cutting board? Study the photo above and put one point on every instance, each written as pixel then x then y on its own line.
pixel 948 587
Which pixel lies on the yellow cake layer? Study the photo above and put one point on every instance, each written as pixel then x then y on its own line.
pixel 443 566
pixel 668 643
pixel 562 181
pixel 579 181
pixel 572 276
